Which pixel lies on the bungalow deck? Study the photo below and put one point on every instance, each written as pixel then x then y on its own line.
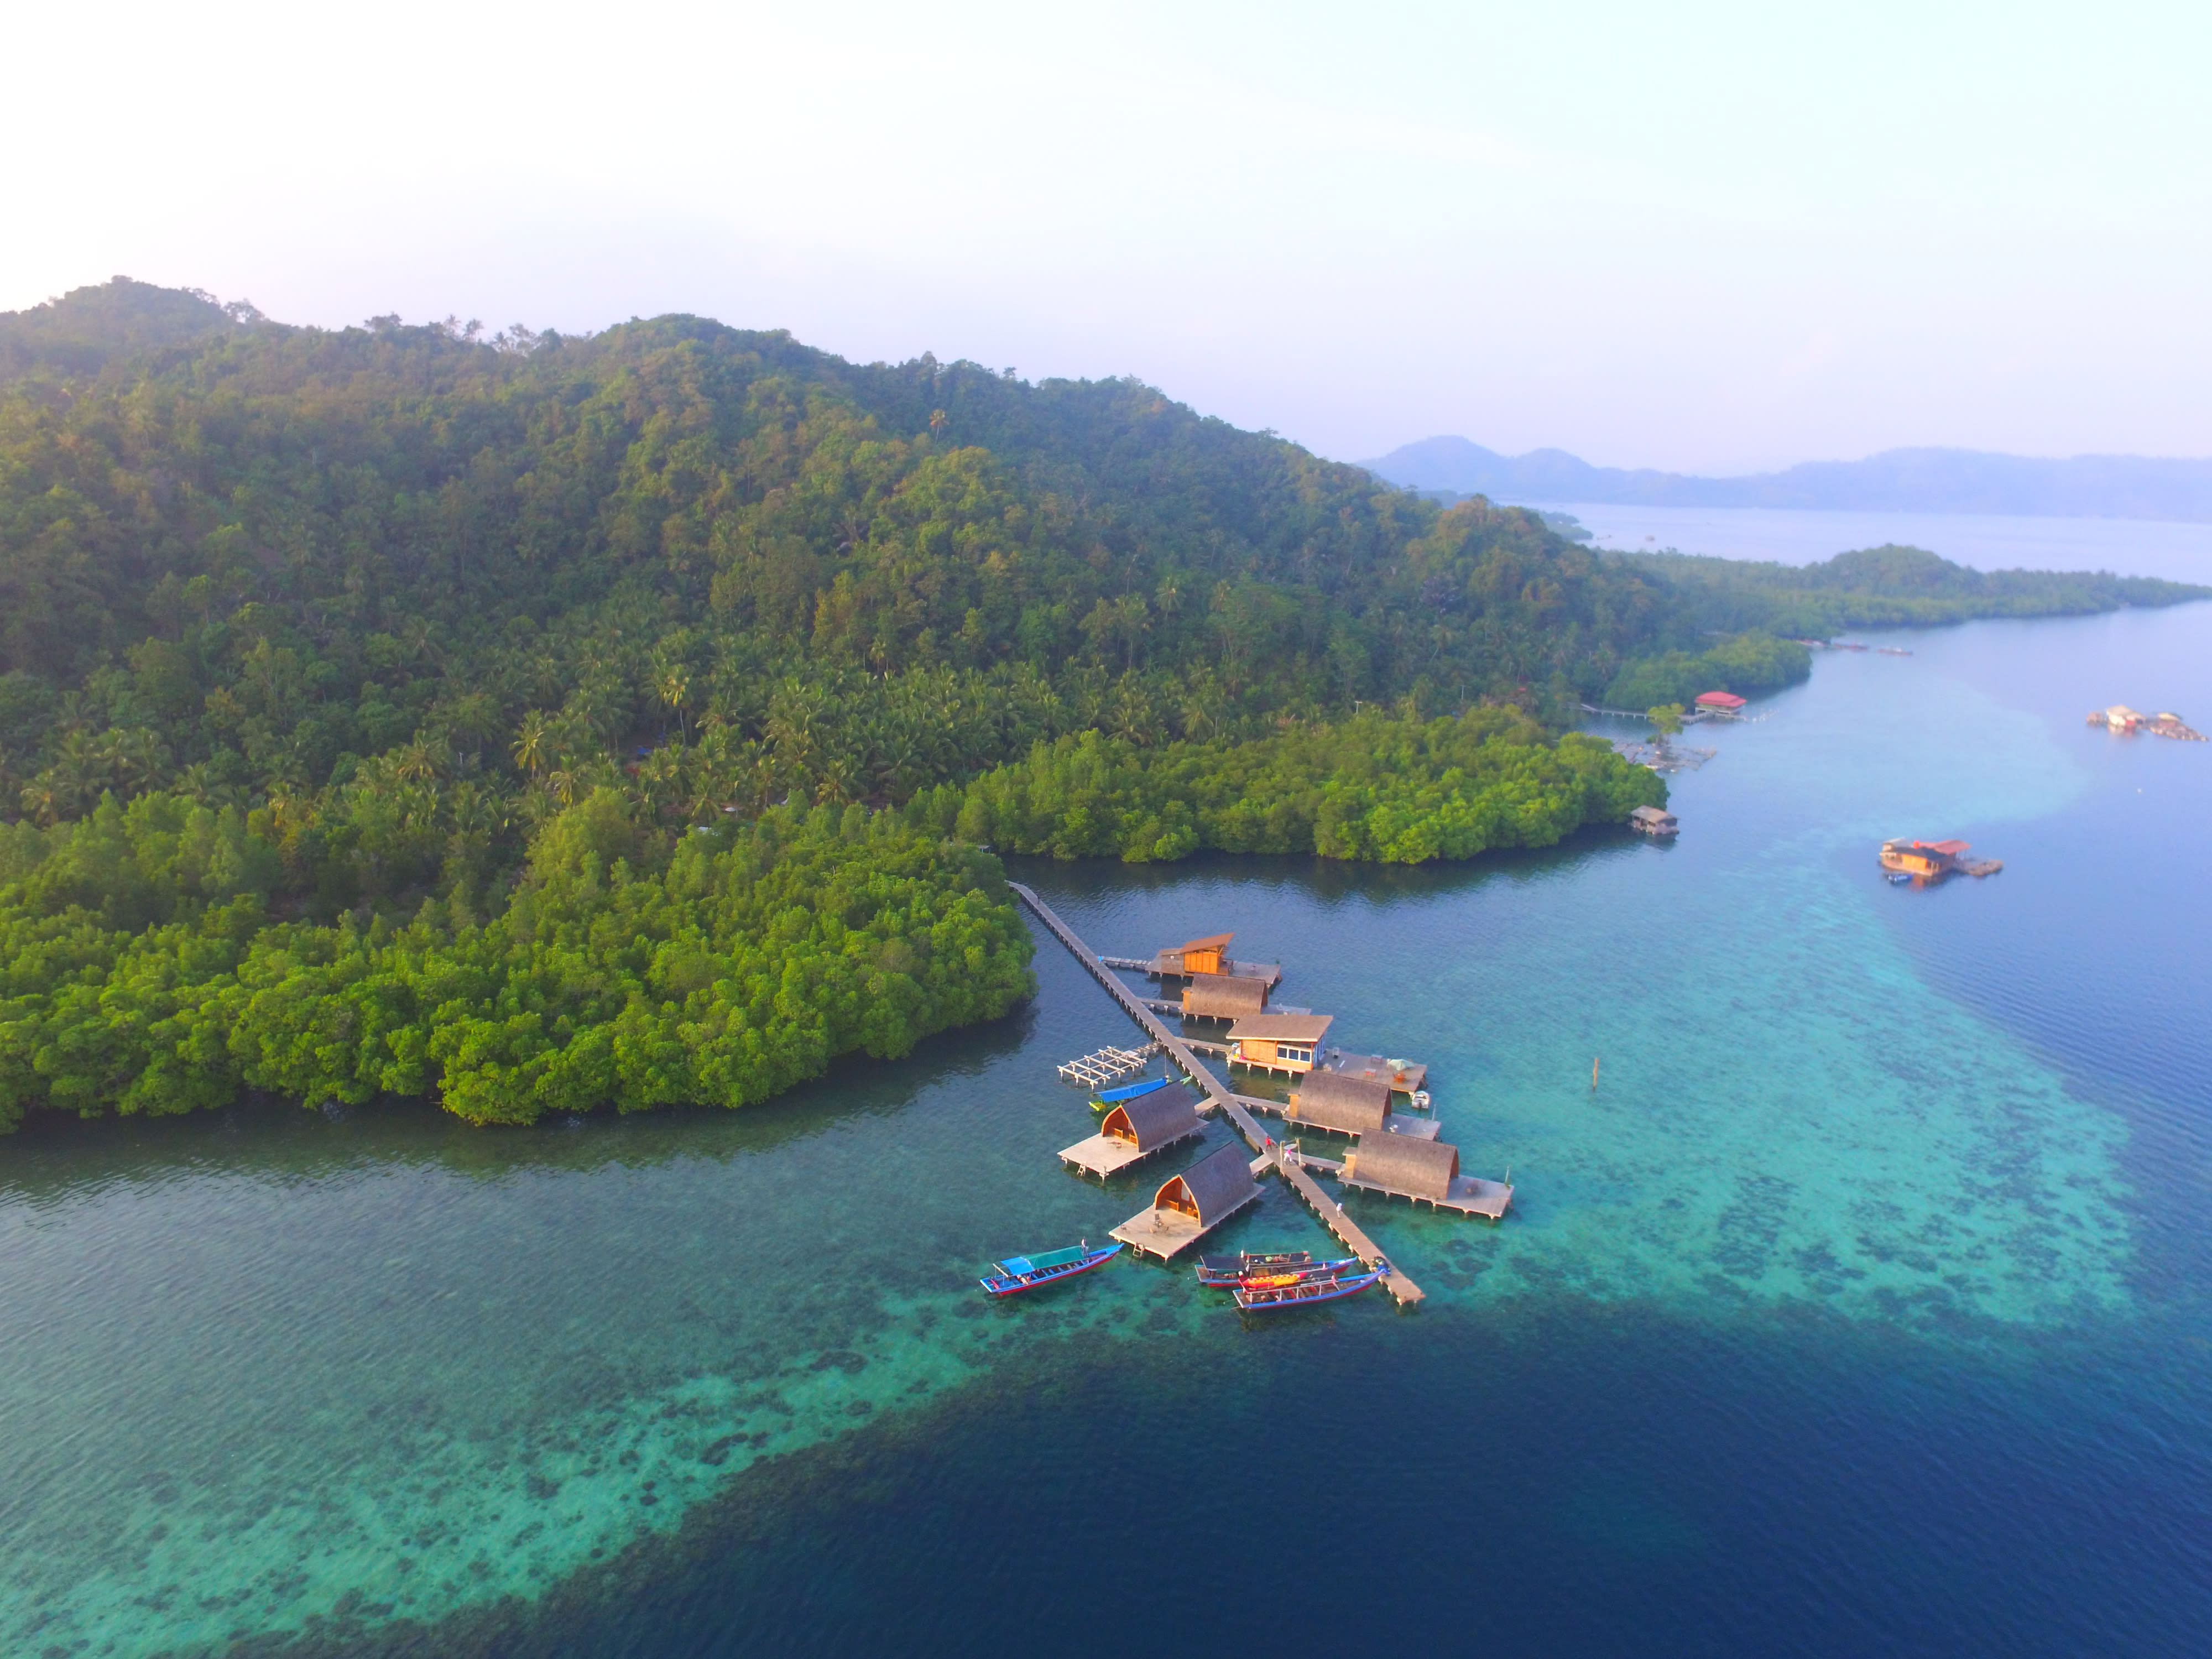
pixel 1153 968
pixel 1470 1194
pixel 1168 1233
pixel 1103 1155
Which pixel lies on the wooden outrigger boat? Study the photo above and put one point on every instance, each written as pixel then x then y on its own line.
pixel 1306 1292
pixel 1228 1269
pixel 1284 1274
pixel 1017 1274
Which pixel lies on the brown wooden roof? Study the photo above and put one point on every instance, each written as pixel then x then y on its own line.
pixel 1283 1028
pixel 1224 995
pixel 1150 1121
pixel 1350 1105
pixel 1424 1168
pixel 1211 942
pixel 1216 1184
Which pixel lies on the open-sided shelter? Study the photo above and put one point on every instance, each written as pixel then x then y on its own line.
pixel 1349 1105
pixel 1224 996
pixel 1403 1165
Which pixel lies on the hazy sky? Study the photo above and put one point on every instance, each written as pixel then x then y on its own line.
pixel 1699 236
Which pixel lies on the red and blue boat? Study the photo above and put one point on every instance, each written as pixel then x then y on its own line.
pixel 1305 1292
pixel 1224 1271
pixel 1017 1274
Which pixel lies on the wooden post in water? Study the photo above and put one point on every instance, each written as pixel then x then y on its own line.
pixel 1593 1060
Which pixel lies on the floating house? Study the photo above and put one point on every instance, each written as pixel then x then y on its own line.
pixel 1189 1206
pixel 1931 861
pixel 1720 703
pixel 1136 1128
pixel 1222 996
pixel 1426 1171
pixel 2164 724
pixel 1278 1043
pixel 1652 821
pixel 1346 1105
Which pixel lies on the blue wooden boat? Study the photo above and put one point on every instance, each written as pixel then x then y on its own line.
pixel 1017 1274
pixel 1269 1298
pixel 1106 1099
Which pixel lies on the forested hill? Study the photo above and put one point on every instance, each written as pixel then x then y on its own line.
pixel 261 559
pixel 537 722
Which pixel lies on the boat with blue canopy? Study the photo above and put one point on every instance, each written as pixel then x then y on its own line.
pixel 1017 1274
pixel 1106 1099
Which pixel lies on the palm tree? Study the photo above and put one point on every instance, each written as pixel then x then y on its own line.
pixel 532 742
pixel 938 420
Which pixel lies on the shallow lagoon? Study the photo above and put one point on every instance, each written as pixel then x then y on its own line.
pixel 1861 1303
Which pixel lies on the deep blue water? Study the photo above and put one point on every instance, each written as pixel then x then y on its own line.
pixel 1861 1308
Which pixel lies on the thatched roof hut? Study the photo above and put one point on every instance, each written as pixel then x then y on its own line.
pixel 1349 1105
pixel 1399 1164
pixel 1150 1122
pixel 1224 996
pixel 1212 1187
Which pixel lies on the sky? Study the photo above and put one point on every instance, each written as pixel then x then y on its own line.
pixel 1709 238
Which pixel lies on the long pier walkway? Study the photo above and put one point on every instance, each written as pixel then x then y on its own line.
pixel 1219 1094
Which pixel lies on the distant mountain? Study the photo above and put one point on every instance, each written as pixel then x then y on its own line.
pixel 1909 480
pixel 80 332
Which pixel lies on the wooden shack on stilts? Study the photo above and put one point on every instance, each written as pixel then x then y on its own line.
pixel 1426 1171
pixel 1224 996
pixel 1345 1105
pixel 1136 1128
pixel 1189 1206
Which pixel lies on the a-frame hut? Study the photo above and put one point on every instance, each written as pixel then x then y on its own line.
pixel 1349 1105
pixel 1136 1128
pixel 1152 1120
pixel 1224 996
pixel 1402 1165
pixel 1189 1206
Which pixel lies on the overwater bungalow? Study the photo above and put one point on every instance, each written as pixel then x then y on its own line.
pixel 1206 956
pixel 1653 821
pixel 1426 1171
pixel 1346 1105
pixel 1222 996
pixel 1932 860
pixel 1719 702
pixel 1136 1128
pixel 1278 1043
pixel 1189 1206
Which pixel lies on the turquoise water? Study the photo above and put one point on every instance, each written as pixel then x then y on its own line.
pixel 1861 1303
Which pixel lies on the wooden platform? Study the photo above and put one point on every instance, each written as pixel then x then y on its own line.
pixel 1470 1194
pixel 1105 1155
pixel 1330 1213
pixel 1272 972
pixel 1168 1233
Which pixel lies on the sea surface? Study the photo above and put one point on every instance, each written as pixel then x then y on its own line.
pixel 1861 1308
pixel 1983 541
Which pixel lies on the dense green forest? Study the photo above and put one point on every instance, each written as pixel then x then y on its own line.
pixel 1886 587
pixel 320 650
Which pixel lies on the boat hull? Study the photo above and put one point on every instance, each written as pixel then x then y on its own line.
pixel 1308 1295
pixel 1004 1285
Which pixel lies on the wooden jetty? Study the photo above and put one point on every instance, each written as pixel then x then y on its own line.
pixel 1135 1129
pixel 1330 1213
pixel 1102 1067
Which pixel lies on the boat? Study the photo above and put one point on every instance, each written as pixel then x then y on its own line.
pixel 1105 1099
pixel 1306 1293
pixel 1017 1274
pixel 1275 1281
pixel 1420 1100
pixel 1896 878
pixel 1228 1269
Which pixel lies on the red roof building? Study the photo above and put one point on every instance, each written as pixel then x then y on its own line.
pixel 1723 700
